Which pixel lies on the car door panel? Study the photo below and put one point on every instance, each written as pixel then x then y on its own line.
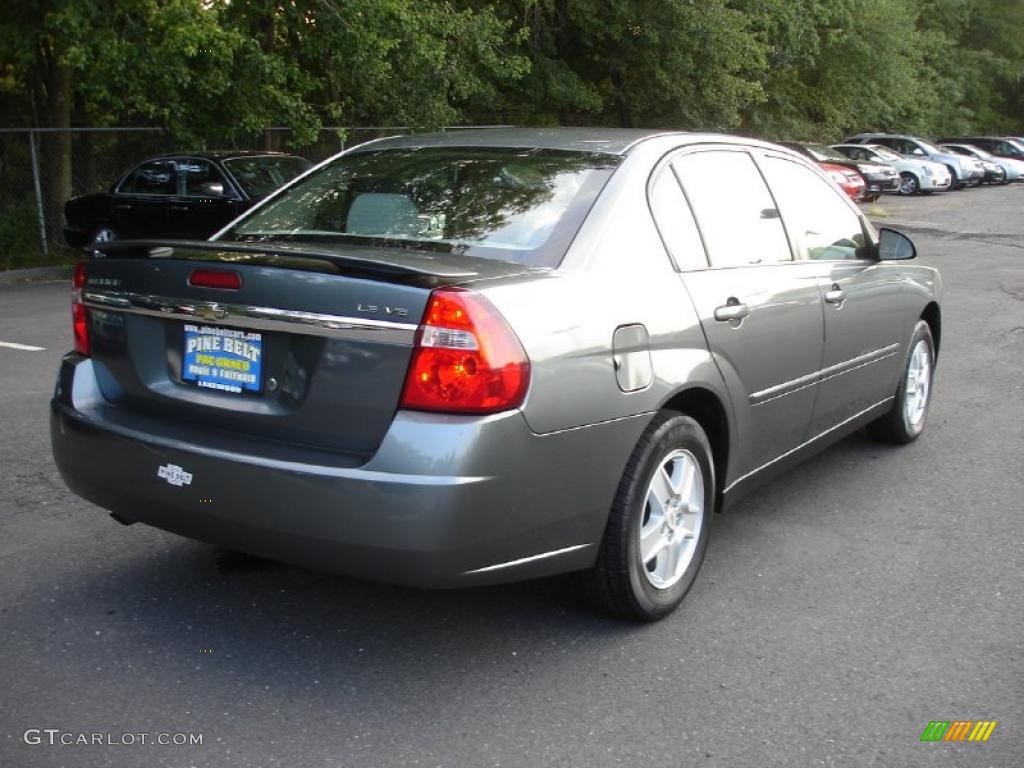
pixel 862 308
pixel 139 208
pixel 771 357
pixel 760 311
pixel 196 212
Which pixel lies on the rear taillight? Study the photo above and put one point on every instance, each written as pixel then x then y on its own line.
pixel 467 358
pixel 79 314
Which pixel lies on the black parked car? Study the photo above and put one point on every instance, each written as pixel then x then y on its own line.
pixel 188 195
pixel 878 177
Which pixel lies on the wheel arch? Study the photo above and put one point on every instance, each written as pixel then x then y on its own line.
pixel 933 316
pixel 707 409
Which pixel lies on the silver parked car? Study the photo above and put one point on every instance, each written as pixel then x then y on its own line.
pixel 479 357
pixel 916 176
pixel 964 171
pixel 997 169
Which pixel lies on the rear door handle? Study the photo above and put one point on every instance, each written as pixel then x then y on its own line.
pixel 835 296
pixel 731 310
pixel 181 208
pixel 123 207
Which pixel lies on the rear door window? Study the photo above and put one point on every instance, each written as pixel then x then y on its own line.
pixel 675 222
pixel 733 207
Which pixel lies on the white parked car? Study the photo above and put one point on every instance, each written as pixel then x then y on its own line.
pixel 917 176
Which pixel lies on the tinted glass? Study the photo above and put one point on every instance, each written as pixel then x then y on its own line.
pixel 736 213
pixel 675 222
pixel 855 153
pixel 521 205
pixel 886 153
pixel 259 176
pixel 153 178
pixel 199 178
pixel 1008 148
pixel 815 212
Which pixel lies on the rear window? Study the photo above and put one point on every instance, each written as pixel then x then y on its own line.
pixel 259 176
pixel 519 205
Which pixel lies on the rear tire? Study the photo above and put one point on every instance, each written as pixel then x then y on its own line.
pixel 658 527
pixel 905 421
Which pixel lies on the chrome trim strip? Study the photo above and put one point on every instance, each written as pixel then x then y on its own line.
pixel 524 560
pixel 254 318
pixel 805 443
pixel 794 385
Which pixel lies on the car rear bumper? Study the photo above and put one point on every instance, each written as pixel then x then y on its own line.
pixel 446 501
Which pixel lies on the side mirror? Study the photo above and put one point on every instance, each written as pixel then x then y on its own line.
pixel 894 246
pixel 211 189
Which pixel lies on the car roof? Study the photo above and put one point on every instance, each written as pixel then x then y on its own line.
pixel 909 136
pixel 609 141
pixel 224 154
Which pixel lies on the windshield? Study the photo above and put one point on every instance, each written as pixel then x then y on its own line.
pixel 520 205
pixel 885 152
pixel 931 149
pixel 260 176
pixel 825 154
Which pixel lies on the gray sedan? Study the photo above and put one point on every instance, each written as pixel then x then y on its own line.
pixel 462 359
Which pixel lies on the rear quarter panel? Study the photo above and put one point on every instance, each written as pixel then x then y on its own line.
pixel 616 273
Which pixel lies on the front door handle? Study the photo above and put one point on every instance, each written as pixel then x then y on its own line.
pixel 836 295
pixel 181 208
pixel 123 207
pixel 732 310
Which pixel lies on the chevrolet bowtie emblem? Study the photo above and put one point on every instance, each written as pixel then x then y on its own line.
pixel 174 475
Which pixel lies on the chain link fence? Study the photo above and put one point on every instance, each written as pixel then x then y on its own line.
pixel 31 205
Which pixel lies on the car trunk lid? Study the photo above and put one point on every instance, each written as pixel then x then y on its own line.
pixel 303 345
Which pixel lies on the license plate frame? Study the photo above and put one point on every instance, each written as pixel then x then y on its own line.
pixel 222 359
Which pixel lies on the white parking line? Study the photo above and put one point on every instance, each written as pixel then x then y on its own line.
pixel 26 347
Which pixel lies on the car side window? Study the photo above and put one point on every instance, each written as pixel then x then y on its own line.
pixel 200 178
pixel 736 213
pixel 674 220
pixel 815 211
pixel 157 177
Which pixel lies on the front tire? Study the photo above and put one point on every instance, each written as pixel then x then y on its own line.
pixel 909 184
pixel 658 527
pixel 905 421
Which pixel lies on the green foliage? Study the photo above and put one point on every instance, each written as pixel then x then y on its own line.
pixel 217 71
pixel 220 72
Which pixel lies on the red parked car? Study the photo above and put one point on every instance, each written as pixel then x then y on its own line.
pixel 851 182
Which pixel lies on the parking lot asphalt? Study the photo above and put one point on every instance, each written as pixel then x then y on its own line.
pixel 840 609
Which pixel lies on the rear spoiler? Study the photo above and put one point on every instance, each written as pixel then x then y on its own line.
pixel 383 264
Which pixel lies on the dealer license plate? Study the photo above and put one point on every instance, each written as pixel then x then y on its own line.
pixel 227 359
